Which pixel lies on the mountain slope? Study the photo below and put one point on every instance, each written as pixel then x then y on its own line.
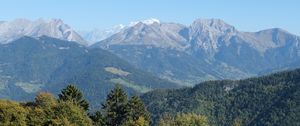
pixel 96 35
pixel 220 50
pixel 267 100
pixel 10 31
pixel 29 65
pixel 175 65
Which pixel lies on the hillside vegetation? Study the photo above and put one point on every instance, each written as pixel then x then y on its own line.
pixel 266 100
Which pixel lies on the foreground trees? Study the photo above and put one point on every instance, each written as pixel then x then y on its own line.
pixel 119 111
pixel 12 113
pixel 73 95
pixel 45 110
pixel 183 120
pixel 71 110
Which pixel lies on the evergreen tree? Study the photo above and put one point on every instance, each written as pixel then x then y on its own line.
pixel 72 94
pixel 119 111
pixel 98 119
pixel 137 109
pixel 115 109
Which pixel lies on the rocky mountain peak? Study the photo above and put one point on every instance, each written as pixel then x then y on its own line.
pixel 147 22
pixel 212 25
pixel 56 28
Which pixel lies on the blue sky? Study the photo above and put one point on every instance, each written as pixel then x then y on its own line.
pixel 250 15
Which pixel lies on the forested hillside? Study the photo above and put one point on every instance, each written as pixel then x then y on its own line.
pixel 267 100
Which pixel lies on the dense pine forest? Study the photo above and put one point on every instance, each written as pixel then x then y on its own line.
pixel 263 101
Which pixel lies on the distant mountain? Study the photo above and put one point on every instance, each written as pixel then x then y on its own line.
pixel 219 50
pixel 12 30
pixel 267 100
pixel 97 35
pixel 30 65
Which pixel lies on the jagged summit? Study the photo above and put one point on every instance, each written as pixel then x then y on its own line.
pixel 149 21
pixel 151 33
pixel 203 33
pixel 213 25
pixel 56 28
pixel 206 36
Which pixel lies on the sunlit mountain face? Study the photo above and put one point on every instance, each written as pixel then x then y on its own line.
pixel 208 49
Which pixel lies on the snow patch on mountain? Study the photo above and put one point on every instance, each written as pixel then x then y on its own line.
pixel 147 22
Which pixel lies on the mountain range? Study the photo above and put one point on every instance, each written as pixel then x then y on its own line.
pixel 96 34
pixel 208 49
pixel 56 28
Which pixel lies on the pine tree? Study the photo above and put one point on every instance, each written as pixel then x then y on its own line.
pixel 98 119
pixel 72 94
pixel 137 109
pixel 115 109
pixel 119 111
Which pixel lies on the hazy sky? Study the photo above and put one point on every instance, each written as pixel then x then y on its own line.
pixel 252 15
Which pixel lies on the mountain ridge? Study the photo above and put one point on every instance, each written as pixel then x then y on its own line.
pixel 12 30
pixel 211 40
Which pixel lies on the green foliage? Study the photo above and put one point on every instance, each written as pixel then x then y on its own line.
pixel 73 95
pixel 98 119
pixel 189 119
pixel 41 111
pixel 46 100
pixel 12 114
pixel 115 107
pixel 118 110
pixel 267 100
pixel 137 109
pixel 72 113
pixel 45 110
pixel 141 121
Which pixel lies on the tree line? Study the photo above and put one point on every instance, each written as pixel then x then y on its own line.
pixel 71 109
